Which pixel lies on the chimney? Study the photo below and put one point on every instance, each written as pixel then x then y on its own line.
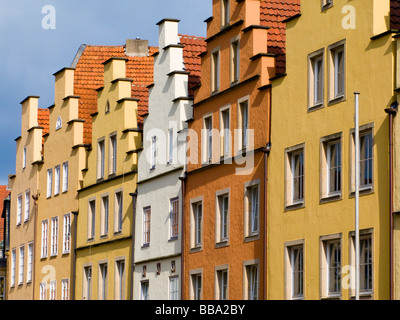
pixel 137 48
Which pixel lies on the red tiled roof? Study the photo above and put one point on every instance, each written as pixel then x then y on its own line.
pixel 273 12
pixel 194 46
pixel 395 14
pixel 3 194
pixel 89 76
pixel 43 120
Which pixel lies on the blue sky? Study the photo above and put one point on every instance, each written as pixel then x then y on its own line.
pixel 29 54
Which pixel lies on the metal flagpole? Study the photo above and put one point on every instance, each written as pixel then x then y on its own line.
pixel 357 196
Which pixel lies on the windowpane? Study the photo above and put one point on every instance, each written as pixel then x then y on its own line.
pixel 334 265
pixel 366 264
pixel 144 290
pixel 339 72
pixel 174 216
pixel 297 271
pixel 334 166
pixel 146 225
pixel 366 164
pixel 298 176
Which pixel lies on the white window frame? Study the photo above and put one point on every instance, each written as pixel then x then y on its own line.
pixel 207 139
pixel 325 265
pixel 66 233
pixel 57 175
pixel 65 289
pixel 313 81
pixel 225 13
pixel 45 226
pixel 13 266
pixel 215 70
pixel 334 50
pixel 53 290
pixel 221 284
pixel 87 292
pixel 196 290
pixel 153 152
pixel 235 60
pixel 29 275
pixel 42 291
pixel 65 177
pixel 252 192
pixel 104 215
pixel 120 278
pixel 54 237
pixel 289 271
pixel 290 178
pixel 144 290
pixel 196 223
pixel 118 210
pixel 24 158
pixel 222 211
pixel 146 225
pixel 174 288
pixel 21 265
pixel 225 131
pixel 174 218
pixel 251 282
pixel 91 218
pixel 170 146
pixel 27 205
pixel 112 150
pixel 103 281
pixel 101 149
pixel 19 209
pixel 49 182
pixel 243 125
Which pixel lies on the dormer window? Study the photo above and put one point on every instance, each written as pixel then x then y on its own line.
pixel 58 123
pixel 225 13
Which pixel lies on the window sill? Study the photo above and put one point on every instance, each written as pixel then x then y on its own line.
pixel 363 191
pixel 196 249
pixel 337 100
pixel 315 107
pixel 337 296
pixel 66 253
pixel 252 237
pixel 173 238
pixel 146 245
pixel 295 205
pixel 331 198
pixel 222 244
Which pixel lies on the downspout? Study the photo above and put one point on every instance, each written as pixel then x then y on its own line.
pixel 75 213
pixel 392 111
pixel 183 183
pixel 35 198
pixel 134 198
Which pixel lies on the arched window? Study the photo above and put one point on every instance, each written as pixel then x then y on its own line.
pixel 58 123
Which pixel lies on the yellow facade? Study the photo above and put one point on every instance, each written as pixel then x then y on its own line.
pixel 318 217
pixel 104 251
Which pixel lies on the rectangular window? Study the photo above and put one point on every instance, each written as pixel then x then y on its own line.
pixel 174 218
pixel 45 225
pixel 144 290
pixel 170 145
pixel 366 264
pixel 222 218
pixel 27 205
pixel 120 280
pixel 65 177
pixel 103 276
pixel 235 58
pixel 244 124
pixel 316 79
pixel 173 288
pixel 49 182
pixel 196 280
pixel 66 233
pixel 13 266
pixel 21 265
pixel 19 209
pixel 146 225
pixel 337 73
pixel 118 206
pixel 225 132
pixel 333 255
pixel 295 176
pixel 225 13
pixel 251 277
pixel 54 236
pixel 153 152
pixel 215 73
pixel 91 219
pixel 295 272
pixel 65 289
pixel 208 139
pixel 87 283
pixel 104 213
pixel 222 284
pixel 113 154
pixel 366 159
pixel 57 180
pixel 52 290
pixel 100 158
pixel 331 166
pixel 252 210
pixel 197 225
pixel 30 263
pixel 42 291
pixel 24 158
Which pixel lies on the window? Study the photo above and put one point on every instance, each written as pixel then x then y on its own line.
pixel 54 236
pixel 208 139
pixel 65 289
pixel 337 71
pixel 215 73
pixel 91 219
pixel 58 123
pixel 251 279
pixel 225 132
pixel 52 290
pixel 225 13
pixel 24 159
pixel 120 280
pixel 21 265
pixel 326 4
pixel 65 177
pixel 144 290
pixel 252 208
pixel 100 158
pixel 331 267
pixel 174 218
pixel 42 291
pixel 87 283
pixel 173 288
pixel 222 219
pixel 243 124
pixel 295 176
pixel 66 233
pixel 196 286
pixel 316 79
pixel 104 216
pixel 170 145
pixel 2 288
pixel 57 180
pixel 118 212
pixel 103 276
pixel 19 209
pixel 13 266
pixel 107 108
pixel 27 205
pixel 113 154
pixel 196 224
pixel 221 288
pixel 49 182
pixel 30 263
pixel 331 166
pixel 146 225
pixel 45 225
pixel 153 152
pixel 294 272
pixel 235 58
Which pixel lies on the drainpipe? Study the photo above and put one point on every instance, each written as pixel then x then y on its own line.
pixel 266 152
pixel 183 182
pixel 75 213
pixel 392 111
pixel 134 198
pixel 35 199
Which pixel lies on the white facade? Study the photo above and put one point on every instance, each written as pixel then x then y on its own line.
pixel 159 198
